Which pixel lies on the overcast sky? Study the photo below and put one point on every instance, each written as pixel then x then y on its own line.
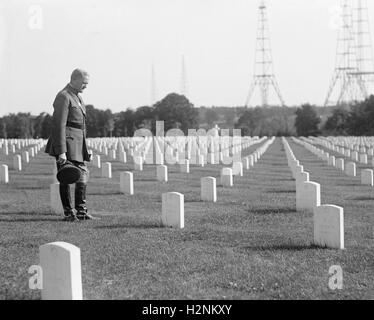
pixel 117 41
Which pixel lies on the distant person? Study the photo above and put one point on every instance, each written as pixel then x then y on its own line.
pixel 67 143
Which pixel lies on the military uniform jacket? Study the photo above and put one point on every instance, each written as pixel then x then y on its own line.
pixel 68 126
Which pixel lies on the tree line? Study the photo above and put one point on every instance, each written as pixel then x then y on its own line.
pixel 177 112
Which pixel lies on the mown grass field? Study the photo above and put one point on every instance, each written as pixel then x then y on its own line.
pixel 251 244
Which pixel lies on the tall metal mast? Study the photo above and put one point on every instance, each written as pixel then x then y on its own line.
pixel 354 58
pixel 264 77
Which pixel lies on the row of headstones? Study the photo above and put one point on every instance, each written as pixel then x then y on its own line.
pixel 361 144
pixel 350 169
pixel 13 144
pixel 328 220
pixel 146 152
pixel 355 143
pixel 356 153
pixel 126 178
pixel 17 162
pixel 139 160
pixel 173 202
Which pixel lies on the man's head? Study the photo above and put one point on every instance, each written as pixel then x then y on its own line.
pixel 79 79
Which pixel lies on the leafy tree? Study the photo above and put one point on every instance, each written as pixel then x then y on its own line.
pixel 307 121
pixel 360 122
pixel 337 124
pixel 177 112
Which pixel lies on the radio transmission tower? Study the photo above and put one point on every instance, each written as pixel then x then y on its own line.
pixel 354 58
pixel 264 77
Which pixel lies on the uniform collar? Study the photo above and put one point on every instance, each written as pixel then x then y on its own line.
pixel 71 89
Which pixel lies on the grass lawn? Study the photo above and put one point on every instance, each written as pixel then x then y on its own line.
pixel 251 244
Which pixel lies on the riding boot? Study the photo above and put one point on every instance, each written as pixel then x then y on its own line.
pixel 80 201
pixel 66 203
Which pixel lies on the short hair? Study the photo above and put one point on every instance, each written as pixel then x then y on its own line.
pixel 78 74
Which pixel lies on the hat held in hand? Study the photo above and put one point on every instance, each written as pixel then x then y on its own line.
pixel 68 173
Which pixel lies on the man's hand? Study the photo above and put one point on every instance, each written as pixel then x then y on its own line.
pixel 61 158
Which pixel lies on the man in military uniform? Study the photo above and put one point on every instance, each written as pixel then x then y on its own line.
pixel 68 142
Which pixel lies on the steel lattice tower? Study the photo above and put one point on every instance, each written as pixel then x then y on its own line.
pixel 364 48
pixel 354 59
pixel 264 77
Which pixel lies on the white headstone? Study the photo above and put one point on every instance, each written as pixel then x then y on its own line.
pixel 329 226
pixel 106 170
pixel 251 160
pixel 25 156
pixel 127 182
pixel 363 158
pixel 237 168
pixel 122 157
pixel 227 177
pixel 211 158
pixel 55 199
pixel 113 154
pixel 162 173
pixel 331 161
pixel 208 189
pixel 340 164
pixel 201 160
pixel 61 267
pixel 185 167
pixel 246 163
pixel 308 196
pixel 367 177
pixel 4 174
pixel 354 156
pixel 173 210
pixel 17 162
pixel 97 161
pixel 350 169
pixel 138 163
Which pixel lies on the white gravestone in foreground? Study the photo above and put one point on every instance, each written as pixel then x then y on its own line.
pixel 208 189
pixel 173 210
pixel 329 226
pixel 127 182
pixel 61 267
